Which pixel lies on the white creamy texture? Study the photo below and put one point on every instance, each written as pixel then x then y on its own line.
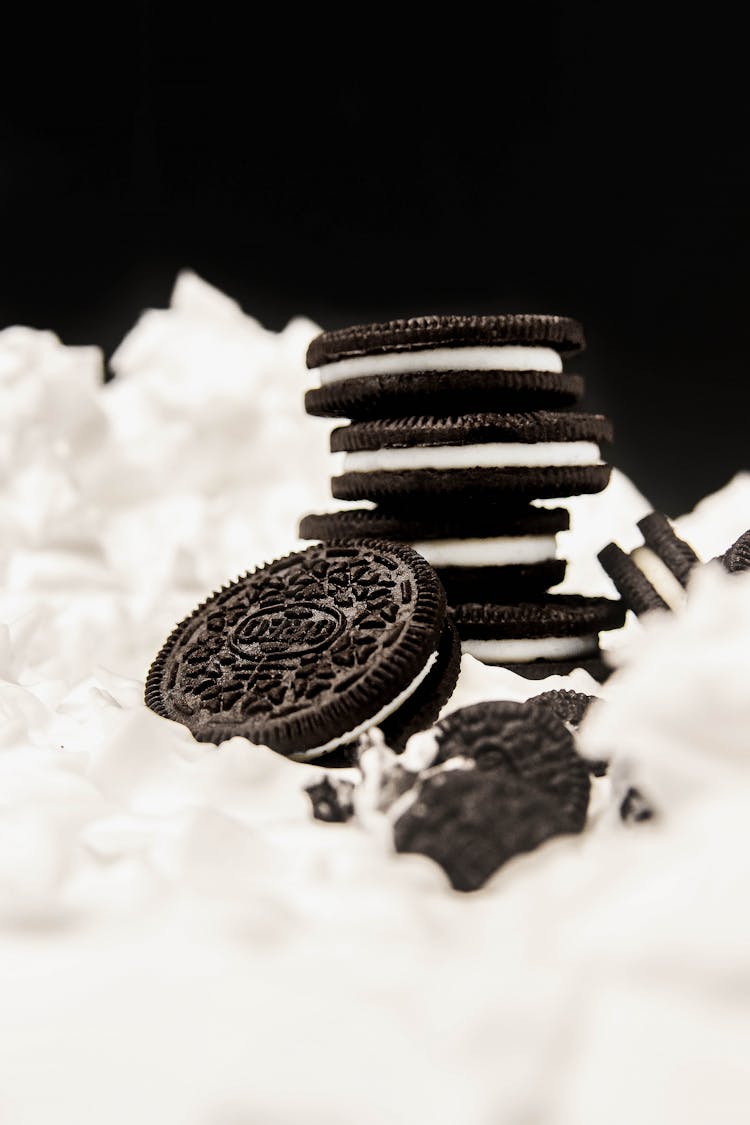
pixel 181 942
pixel 523 649
pixel 501 550
pixel 378 717
pixel 660 576
pixel 509 357
pixel 486 455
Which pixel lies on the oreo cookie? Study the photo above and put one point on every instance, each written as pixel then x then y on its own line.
pixel 548 637
pixel 504 779
pixel 311 650
pixel 478 550
pixel 653 576
pixel 448 363
pixel 523 456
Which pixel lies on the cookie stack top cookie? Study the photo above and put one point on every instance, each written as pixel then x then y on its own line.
pixel 457 424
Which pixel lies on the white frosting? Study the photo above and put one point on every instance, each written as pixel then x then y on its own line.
pixel 501 550
pixel 383 713
pixel 486 455
pixel 660 576
pixel 522 649
pixel 143 874
pixel 505 358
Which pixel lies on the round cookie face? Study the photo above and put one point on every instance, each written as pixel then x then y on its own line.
pixel 306 652
pixel 421 333
pixel 394 394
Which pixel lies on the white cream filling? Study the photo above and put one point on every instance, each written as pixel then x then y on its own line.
pixel 520 650
pixel 383 713
pixel 488 455
pixel 504 550
pixel 660 576
pixel 508 357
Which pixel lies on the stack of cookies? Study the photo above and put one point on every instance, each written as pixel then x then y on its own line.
pixel 457 425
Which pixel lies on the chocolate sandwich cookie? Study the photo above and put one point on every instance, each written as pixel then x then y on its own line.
pixel 478 550
pixel 523 456
pixel 505 777
pixel 466 363
pixel 308 652
pixel 653 576
pixel 548 637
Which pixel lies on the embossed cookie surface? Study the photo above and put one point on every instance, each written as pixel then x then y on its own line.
pixel 303 653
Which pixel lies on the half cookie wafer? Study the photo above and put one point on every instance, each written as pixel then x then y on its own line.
pixel 478 550
pixel 523 456
pixel 445 363
pixel 551 636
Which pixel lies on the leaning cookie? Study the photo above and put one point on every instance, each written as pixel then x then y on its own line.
pixel 548 637
pixel 503 778
pixel 655 575
pixel 521 456
pixel 480 551
pixel 308 652
pixel 445 364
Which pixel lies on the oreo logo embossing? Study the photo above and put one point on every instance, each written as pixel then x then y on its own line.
pixel 287 630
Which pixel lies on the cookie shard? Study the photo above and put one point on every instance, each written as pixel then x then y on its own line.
pixel 520 782
pixel 569 706
pixel 305 653
pixel 331 800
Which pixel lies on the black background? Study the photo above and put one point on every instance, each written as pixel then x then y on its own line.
pixel 580 160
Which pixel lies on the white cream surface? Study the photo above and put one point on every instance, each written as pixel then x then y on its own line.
pixel 508 550
pixel 508 357
pixel 486 455
pixel 181 942
pixel 669 589
pixel 378 717
pixel 521 649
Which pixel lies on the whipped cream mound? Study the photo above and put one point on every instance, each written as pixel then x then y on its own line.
pixel 181 942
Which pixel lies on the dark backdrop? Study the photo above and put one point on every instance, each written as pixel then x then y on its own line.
pixel 580 160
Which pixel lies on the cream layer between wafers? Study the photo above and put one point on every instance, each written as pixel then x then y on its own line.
pixel 508 357
pixel 486 455
pixel 501 550
pixel 520 650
